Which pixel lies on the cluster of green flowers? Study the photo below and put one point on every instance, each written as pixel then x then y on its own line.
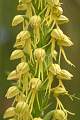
pixel 39 47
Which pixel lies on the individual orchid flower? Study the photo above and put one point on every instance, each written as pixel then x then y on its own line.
pixel 39 56
pixel 54 69
pixel 60 106
pixel 62 41
pixel 53 11
pixel 23 41
pixel 35 22
pixel 34 85
pixel 22 70
pixel 52 44
pixel 22 110
pixel 58 91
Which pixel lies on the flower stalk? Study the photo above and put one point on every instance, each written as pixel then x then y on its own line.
pixel 40 61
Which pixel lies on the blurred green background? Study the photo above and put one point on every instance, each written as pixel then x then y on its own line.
pixel 7 39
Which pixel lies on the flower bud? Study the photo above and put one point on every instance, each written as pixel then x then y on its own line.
pixel 39 54
pixel 16 54
pixel 35 83
pixel 64 75
pixel 35 21
pixel 10 112
pixel 17 20
pixel 54 69
pixel 22 68
pixel 12 92
pixel 12 75
pixel 59 115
